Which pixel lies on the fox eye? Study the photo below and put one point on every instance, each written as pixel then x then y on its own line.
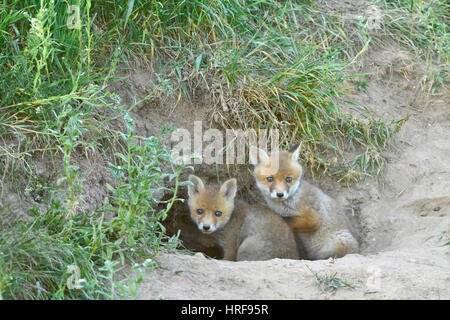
pixel 270 179
pixel 218 213
pixel 289 179
pixel 199 211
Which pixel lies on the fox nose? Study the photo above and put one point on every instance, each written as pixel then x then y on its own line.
pixel 206 227
pixel 280 194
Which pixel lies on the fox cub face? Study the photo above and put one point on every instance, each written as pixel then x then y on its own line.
pixel 278 175
pixel 211 207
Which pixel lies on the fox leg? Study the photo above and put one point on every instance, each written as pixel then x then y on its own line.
pixel 253 248
pixel 306 222
pixel 337 246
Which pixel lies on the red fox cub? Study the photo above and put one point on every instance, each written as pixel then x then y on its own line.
pixel 313 215
pixel 244 232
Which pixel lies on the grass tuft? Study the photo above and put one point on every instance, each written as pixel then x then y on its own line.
pixel 329 283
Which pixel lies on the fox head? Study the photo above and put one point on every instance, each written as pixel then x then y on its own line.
pixel 278 176
pixel 211 207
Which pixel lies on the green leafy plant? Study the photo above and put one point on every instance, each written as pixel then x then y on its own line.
pixel 445 237
pixel 141 183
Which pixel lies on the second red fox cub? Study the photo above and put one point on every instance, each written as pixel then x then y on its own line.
pixel 244 232
pixel 313 215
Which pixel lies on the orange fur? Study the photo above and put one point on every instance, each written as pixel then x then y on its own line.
pixel 279 172
pixel 317 220
pixel 341 250
pixel 307 222
pixel 244 232
pixel 211 200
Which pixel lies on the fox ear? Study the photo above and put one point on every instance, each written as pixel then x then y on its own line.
pixel 295 151
pixel 197 187
pixel 229 188
pixel 258 156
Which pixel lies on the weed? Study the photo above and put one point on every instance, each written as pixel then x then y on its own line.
pixel 422 28
pixel 142 175
pixel 329 283
pixel 54 240
pixel 445 238
pixel 361 85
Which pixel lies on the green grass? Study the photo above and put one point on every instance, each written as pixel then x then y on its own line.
pixel 422 28
pixel 329 283
pixel 36 254
pixel 444 237
pixel 282 69
pixel 36 260
pixel 274 64
pixel 420 25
